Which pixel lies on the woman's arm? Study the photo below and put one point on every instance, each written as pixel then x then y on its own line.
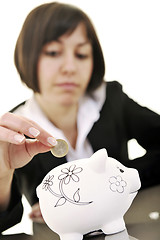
pixel 13 213
pixel 16 151
pixel 143 125
pixel 134 121
pixel 5 191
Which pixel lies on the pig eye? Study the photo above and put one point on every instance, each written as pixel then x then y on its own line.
pixel 121 170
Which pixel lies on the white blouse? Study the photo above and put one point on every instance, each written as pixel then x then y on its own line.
pixel 88 114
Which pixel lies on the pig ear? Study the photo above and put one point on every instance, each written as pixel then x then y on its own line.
pixel 98 160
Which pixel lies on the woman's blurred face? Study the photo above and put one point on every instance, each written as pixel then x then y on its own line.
pixel 65 67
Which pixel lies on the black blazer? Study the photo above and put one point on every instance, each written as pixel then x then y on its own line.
pixel 121 119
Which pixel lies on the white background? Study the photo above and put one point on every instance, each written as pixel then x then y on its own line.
pixel 129 32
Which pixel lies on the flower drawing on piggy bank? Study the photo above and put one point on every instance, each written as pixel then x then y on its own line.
pixel 67 175
pixel 117 184
pixel 70 173
pixel 48 182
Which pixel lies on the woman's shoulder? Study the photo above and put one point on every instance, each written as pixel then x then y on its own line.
pixel 114 90
pixel 24 107
pixel 114 86
pixel 17 107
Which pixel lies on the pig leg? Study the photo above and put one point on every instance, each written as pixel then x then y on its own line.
pixel 114 226
pixel 71 236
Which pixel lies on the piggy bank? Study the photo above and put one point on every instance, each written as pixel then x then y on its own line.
pixel 86 195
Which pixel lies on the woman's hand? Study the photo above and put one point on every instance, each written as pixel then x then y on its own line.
pixel 35 214
pixel 15 150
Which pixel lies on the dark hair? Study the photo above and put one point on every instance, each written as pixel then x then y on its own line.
pixel 48 22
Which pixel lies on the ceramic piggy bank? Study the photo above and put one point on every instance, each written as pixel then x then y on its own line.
pixel 89 194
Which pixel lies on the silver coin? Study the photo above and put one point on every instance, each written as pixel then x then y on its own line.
pixel 61 149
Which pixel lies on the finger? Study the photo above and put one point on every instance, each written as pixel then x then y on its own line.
pixel 35 214
pixel 27 127
pixel 34 147
pixel 10 136
pixel 26 152
pixel 37 219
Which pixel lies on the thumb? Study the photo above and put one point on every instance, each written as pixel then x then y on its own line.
pixel 33 147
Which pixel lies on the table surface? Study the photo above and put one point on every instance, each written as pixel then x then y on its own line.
pixel 138 221
pixel 119 236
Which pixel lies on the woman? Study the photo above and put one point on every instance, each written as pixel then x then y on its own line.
pixel 59 57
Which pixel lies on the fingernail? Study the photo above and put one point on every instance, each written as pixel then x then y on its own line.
pixel 52 141
pixel 19 138
pixel 34 132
